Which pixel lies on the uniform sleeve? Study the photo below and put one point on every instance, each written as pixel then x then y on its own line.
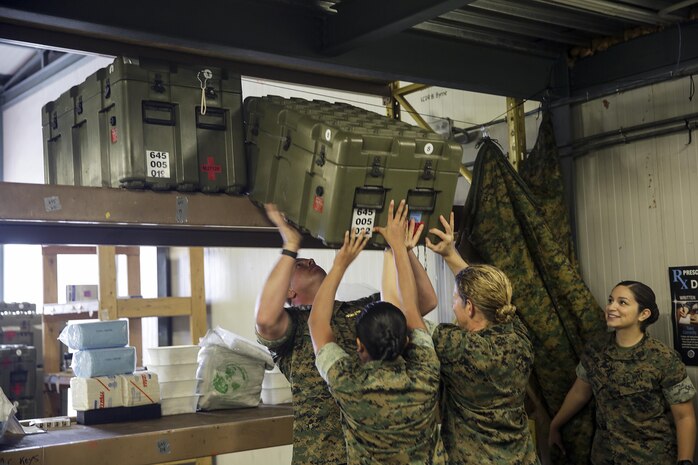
pixel 282 348
pixel 277 345
pixel 681 392
pixel 676 385
pixel 421 356
pixel 447 342
pixel 421 338
pixel 431 326
pixel 327 358
pixel 582 373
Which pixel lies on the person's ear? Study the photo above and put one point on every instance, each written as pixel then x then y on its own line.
pixel 291 294
pixel 360 348
pixel 644 314
pixel 470 308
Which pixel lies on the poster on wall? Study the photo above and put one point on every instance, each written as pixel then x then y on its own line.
pixel 683 283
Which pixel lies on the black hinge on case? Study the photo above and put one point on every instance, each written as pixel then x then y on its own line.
pixel 157 85
pixel 78 107
pixel 428 171
pixel 320 160
pixel 54 121
pixel 107 89
pixel 376 169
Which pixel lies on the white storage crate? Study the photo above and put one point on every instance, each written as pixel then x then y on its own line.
pixel 172 355
pixel 177 405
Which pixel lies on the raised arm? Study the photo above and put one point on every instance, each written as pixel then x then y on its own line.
pixel 389 292
pixel 426 295
pixel 271 319
pixel 394 233
pixel 321 313
pixel 447 245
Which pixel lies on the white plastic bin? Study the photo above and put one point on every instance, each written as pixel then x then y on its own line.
pixel 178 388
pixel 177 405
pixel 175 372
pixel 280 395
pixel 172 355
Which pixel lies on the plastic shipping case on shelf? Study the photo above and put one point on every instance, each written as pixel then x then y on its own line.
pixel 331 167
pixel 148 124
pixel 18 373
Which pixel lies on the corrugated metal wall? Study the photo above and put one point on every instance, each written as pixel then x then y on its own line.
pixel 637 203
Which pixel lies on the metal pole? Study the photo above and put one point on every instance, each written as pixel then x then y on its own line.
pixel 516 121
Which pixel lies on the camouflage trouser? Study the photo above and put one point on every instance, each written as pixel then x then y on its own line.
pixel 504 227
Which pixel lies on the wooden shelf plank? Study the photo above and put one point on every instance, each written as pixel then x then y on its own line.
pixel 100 205
pixel 161 307
pixel 52 214
pixel 171 438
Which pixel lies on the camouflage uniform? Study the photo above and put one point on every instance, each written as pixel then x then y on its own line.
pixel 504 226
pixel 634 388
pixel 485 375
pixel 317 434
pixel 388 408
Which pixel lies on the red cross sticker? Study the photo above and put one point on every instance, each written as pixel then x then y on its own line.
pixel 211 168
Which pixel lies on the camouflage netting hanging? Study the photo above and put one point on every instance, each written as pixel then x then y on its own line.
pixel 506 228
pixel 541 173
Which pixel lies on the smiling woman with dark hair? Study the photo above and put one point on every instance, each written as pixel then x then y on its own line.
pixel 636 381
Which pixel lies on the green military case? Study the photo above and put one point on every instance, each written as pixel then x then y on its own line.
pixel 57 121
pixel 331 167
pixel 145 125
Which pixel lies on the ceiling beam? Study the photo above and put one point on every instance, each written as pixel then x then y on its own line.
pixel 502 25
pixel 552 15
pixel 671 53
pixel 615 9
pixel 491 38
pixel 41 78
pixel 241 39
pixel 361 22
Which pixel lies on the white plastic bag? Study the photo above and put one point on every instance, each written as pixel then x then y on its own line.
pixel 231 370
pixel 7 413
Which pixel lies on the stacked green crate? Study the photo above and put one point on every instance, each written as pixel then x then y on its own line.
pixel 158 125
pixel 333 167
pixel 57 120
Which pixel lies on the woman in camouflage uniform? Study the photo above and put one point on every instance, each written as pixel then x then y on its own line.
pixel 486 360
pixel 636 381
pixel 388 396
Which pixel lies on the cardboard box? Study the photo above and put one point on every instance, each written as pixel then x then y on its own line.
pixel 80 292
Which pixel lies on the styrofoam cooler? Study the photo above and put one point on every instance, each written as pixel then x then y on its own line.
pixel 176 368
pixel 172 355
pixel 167 373
pixel 275 388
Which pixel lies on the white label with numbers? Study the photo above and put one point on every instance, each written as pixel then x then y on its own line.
pixel 52 204
pixel 363 218
pixel 429 148
pixel 157 163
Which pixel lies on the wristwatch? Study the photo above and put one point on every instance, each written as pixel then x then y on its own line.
pixel 684 462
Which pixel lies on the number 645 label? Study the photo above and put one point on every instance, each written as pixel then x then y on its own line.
pixel 363 218
pixel 157 164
